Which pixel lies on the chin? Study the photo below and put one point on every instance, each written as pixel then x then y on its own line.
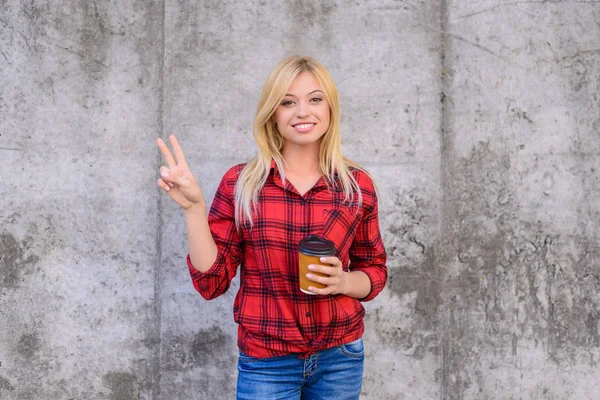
pixel 304 140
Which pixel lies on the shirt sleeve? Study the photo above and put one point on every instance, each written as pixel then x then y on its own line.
pixel 221 219
pixel 367 252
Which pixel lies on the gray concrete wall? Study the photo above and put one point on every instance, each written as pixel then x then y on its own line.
pixel 480 121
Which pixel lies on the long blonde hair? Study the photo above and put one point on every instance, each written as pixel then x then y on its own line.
pixel 270 142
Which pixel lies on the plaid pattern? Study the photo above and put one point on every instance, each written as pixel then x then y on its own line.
pixel 275 318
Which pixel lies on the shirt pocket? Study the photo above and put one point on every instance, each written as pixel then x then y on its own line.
pixel 340 223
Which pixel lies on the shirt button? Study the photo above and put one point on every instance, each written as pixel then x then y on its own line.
pixel 302 202
pixel 303 229
pixel 308 314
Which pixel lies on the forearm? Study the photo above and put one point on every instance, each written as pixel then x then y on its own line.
pixel 201 245
pixel 356 284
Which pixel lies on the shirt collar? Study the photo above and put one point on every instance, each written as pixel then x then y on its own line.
pixel 274 171
pixel 275 175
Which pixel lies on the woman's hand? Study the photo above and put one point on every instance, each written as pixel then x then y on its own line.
pixel 336 282
pixel 177 179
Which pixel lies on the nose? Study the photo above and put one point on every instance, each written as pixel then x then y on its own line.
pixel 302 110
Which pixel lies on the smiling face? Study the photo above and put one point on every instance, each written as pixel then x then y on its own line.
pixel 303 115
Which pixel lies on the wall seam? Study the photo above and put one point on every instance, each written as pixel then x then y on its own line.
pixel 444 339
pixel 156 371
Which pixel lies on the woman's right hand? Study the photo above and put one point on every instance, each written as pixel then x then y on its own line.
pixel 177 179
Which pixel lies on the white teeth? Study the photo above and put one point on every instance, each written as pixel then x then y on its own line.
pixel 304 126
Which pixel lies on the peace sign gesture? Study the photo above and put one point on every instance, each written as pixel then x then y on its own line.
pixel 177 180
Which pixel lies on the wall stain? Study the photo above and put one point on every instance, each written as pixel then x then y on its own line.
pixel 592 323
pixel 209 343
pixel 14 263
pixel 28 345
pixel 208 352
pixel 511 283
pixel 475 236
pixel 423 337
pixel 93 42
pixel 85 37
pixel 424 283
pixel 5 385
pixel 314 17
pixel 204 348
pixel 413 272
pixel 123 385
pixel 207 27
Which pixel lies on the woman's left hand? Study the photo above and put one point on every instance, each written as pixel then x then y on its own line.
pixel 335 283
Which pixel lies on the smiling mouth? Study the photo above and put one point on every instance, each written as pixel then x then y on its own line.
pixel 304 126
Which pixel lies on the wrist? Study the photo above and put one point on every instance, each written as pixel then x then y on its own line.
pixel 196 208
pixel 344 283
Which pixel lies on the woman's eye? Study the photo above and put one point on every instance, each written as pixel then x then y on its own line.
pixel 316 99
pixel 287 103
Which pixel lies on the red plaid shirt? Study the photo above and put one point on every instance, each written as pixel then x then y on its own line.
pixel 275 318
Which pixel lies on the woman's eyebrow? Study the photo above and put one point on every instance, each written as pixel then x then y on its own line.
pixel 318 90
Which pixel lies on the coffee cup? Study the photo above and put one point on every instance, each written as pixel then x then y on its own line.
pixel 310 251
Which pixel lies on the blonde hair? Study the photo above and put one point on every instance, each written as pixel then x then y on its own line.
pixel 270 142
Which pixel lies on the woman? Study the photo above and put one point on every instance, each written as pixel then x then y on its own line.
pixel 292 344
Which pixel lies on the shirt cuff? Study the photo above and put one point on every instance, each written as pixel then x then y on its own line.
pixel 376 283
pixel 212 271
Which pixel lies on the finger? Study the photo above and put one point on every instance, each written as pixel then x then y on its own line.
pixel 331 260
pixel 177 149
pixel 325 269
pixel 323 291
pixel 325 280
pixel 165 174
pixel 166 153
pixel 170 176
pixel 163 185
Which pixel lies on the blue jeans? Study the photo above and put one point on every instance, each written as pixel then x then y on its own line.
pixel 334 373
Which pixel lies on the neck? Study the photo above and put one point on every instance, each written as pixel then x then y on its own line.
pixel 301 160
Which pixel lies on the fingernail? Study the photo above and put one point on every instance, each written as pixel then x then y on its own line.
pixel 311 267
pixel 164 173
pixel 323 258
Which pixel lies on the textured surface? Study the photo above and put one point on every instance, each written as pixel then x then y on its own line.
pixel 520 201
pixel 480 122
pixel 78 115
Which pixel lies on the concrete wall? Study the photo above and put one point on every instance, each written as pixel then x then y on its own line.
pixel 479 120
